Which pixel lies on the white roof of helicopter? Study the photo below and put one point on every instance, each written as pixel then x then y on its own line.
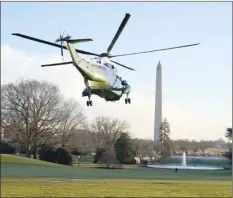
pixel 103 59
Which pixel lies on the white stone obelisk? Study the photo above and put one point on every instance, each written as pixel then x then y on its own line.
pixel 158 102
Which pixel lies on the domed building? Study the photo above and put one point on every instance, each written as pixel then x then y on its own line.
pixel 220 143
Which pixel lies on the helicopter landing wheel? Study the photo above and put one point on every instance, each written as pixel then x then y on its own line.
pixel 127 100
pixel 89 103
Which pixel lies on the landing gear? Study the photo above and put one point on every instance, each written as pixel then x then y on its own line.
pixel 127 100
pixel 87 92
pixel 89 103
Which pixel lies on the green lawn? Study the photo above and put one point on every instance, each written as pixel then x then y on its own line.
pixel 27 177
pixel 23 160
pixel 114 187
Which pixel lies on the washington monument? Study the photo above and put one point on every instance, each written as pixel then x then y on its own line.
pixel 158 102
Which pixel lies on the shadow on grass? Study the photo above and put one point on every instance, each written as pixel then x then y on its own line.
pixel 108 168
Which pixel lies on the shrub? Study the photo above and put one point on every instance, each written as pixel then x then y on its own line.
pixel 64 157
pixel 5 148
pixel 125 151
pixel 99 153
pixel 145 162
pixel 134 161
pixel 47 154
pixel 108 158
pixel 228 155
pixel 76 153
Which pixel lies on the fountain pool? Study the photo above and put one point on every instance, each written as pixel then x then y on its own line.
pixel 183 166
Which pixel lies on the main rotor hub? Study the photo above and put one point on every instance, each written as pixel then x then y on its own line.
pixel 62 39
pixel 104 55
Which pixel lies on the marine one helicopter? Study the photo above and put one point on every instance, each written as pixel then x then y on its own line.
pixel 100 75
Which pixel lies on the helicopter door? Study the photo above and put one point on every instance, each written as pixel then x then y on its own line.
pixel 117 83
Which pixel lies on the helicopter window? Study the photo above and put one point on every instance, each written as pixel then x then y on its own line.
pixel 106 64
pixel 109 65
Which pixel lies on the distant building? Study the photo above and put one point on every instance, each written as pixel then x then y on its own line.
pixel 2 132
pixel 3 138
pixel 220 143
pixel 9 134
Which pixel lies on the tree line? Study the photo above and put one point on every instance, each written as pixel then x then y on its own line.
pixel 38 115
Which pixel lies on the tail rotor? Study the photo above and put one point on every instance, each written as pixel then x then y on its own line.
pixel 61 40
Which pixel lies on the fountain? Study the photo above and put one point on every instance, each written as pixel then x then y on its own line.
pixel 184 159
pixel 184 166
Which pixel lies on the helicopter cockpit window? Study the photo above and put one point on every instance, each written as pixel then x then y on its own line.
pixel 109 65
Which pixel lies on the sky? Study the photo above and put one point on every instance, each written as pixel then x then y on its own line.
pixel 196 81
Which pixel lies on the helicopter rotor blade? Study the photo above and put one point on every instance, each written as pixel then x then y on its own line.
pixel 111 56
pixel 122 65
pixel 61 49
pixel 53 44
pixel 120 29
pixel 57 64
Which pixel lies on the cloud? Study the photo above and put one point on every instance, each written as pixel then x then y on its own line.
pixel 186 120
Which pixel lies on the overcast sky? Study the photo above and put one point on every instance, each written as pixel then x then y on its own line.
pixel 197 81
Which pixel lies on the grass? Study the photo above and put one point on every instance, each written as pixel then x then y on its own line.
pixel 24 160
pixel 113 187
pixel 15 166
pixel 28 177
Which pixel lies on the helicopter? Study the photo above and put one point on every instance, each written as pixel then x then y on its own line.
pixel 100 75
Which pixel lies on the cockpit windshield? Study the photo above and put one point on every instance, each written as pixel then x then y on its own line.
pixel 110 66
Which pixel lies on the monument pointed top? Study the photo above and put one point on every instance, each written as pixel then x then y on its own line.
pixel 159 65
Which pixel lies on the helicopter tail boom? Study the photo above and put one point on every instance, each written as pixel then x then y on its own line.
pixel 79 61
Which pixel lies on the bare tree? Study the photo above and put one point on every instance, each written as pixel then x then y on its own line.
pixel 173 146
pixel 81 141
pixel 47 138
pixel 105 131
pixel 29 108
pixel 156 150
pixel 183 145
pixel 203 145
pixel 71 118
pixel 194 145
pixel 143 147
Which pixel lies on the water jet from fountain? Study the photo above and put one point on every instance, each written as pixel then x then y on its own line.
pixel 184 159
